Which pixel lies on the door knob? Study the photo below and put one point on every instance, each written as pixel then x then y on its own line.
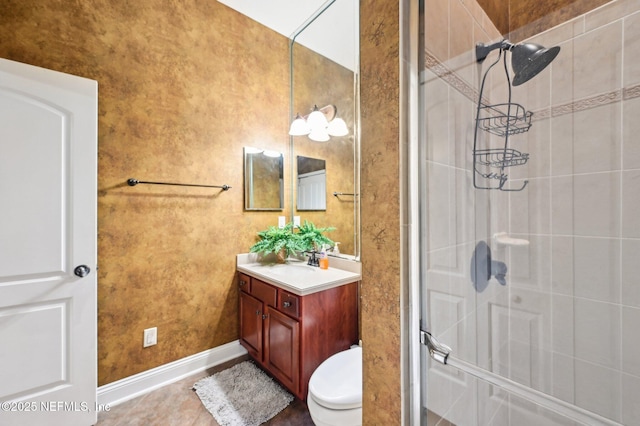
pixel 82 271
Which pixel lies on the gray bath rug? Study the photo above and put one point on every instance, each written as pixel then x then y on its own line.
pixel 242 395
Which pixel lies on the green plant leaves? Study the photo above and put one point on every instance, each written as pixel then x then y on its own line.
pixel 313 236
pixel 307 238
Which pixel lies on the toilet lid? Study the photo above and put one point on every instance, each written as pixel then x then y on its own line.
pixel 337 382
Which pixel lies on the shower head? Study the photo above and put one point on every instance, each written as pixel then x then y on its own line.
pixel 528 59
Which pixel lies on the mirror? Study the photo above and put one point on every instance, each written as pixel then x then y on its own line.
pixel 312 184
pixel 324 72
pixel 263 179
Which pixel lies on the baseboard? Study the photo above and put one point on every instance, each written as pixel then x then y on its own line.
pixel 147 381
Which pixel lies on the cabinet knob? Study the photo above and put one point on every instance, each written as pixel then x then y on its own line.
pixel 286 304
pixel 258 312
pixel 264 316
pixel 242 283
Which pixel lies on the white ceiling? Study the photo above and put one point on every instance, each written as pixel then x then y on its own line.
pixel 334 34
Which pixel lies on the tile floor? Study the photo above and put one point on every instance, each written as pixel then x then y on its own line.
pixel 177 404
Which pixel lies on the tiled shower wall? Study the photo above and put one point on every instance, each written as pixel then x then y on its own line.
pixel 580 209
pixel 565 322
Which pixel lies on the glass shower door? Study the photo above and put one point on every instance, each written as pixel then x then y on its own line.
pixel 543 332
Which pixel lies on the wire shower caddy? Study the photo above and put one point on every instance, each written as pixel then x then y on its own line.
pixel 503 120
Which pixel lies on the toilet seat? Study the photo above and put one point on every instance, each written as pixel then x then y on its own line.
pixel 322 416
pixel 337 382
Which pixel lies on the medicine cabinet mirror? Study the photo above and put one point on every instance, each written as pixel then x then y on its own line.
pixel 324 71
pixel 263 179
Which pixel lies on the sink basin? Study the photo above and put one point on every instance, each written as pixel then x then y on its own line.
pixel 287 269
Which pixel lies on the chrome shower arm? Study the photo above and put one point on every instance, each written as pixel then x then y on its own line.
pixel 482 50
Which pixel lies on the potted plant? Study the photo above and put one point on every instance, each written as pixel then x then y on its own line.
pixel 313 237
pixel 283 242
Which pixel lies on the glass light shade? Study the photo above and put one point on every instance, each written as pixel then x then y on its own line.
pixel 320 135
pixel 299 127
pixel 270 153
pixel 317 121
pixel 251 150
pixel 337 127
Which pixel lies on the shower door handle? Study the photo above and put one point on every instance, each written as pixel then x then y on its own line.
pixel 438 351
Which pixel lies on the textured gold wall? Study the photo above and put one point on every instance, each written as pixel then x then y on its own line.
pixel 380 100
pixel 183 86
pixel 523 18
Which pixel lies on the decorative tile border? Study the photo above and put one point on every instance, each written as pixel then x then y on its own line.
pixel 587 103
pixel 442 71
pixel 631 92
pixel 434 65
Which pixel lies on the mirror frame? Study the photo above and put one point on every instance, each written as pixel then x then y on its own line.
pixel 249 188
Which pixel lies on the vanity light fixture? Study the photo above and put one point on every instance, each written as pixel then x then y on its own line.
pixel 299 127
pixel 319 125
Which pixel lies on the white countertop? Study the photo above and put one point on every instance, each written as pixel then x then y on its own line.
pixel 298 278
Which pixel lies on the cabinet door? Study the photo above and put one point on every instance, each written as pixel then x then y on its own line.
pixel 282 348
pixel 251 325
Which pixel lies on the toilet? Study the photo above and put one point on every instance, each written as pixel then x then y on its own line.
pixel 335 390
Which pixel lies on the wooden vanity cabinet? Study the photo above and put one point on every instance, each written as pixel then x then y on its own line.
pixel 282 348
pixel 290 335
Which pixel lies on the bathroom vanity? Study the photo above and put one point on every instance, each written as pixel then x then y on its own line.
pixel 294 316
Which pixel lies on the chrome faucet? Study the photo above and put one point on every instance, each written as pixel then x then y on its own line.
pixel 313 260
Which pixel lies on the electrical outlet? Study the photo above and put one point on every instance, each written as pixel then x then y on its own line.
pixel 281 222
pixel 296 221
pixel 150 337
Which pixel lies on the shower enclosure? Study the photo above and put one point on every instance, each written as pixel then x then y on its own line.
pixel 530 301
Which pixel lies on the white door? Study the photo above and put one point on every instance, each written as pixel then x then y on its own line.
pixel 48 144
pixel 312 191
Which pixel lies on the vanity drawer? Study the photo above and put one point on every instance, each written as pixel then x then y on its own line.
pixel 289 303
pixel 244 282
pixel 264 292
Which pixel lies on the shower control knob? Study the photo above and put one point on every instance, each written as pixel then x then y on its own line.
pixel 82 271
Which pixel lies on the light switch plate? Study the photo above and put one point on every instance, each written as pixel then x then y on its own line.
pixel 281 222
pixel 296 221
pixel 150 337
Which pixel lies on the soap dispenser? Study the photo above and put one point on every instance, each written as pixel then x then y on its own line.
pixel 324 259
pixel 336 249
